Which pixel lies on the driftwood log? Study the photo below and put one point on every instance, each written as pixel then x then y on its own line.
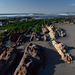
pixel 31 60
pixel 61 50
pixel 59 47
pixel 51 33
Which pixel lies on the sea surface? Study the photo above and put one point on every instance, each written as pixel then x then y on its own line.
pixel 34 15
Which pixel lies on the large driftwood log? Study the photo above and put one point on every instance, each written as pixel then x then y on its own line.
pixel 55 32
pixel 60 49
pixel 32 58
pixel 51 33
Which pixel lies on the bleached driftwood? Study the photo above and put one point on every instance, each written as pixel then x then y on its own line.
pixel 60 49
pixel 51 33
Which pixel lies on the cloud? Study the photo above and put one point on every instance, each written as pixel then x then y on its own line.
pixel 72 4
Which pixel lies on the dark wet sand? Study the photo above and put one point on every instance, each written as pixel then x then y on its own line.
pixel 54 65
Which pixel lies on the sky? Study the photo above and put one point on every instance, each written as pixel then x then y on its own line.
pixel 37 6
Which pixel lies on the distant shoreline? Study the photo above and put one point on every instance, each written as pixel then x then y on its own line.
pixel 34 15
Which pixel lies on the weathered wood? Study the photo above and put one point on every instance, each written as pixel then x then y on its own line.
pixel 60 49
pixel 32 58
pixel 51 33
pixel 44 30
pixel 7 58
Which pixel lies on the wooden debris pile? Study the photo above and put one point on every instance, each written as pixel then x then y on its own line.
pixel 7 58
pixel 31 60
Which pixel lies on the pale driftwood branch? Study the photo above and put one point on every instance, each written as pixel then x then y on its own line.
pixel 59 47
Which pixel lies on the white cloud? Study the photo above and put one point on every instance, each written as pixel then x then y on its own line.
pixel 72 4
